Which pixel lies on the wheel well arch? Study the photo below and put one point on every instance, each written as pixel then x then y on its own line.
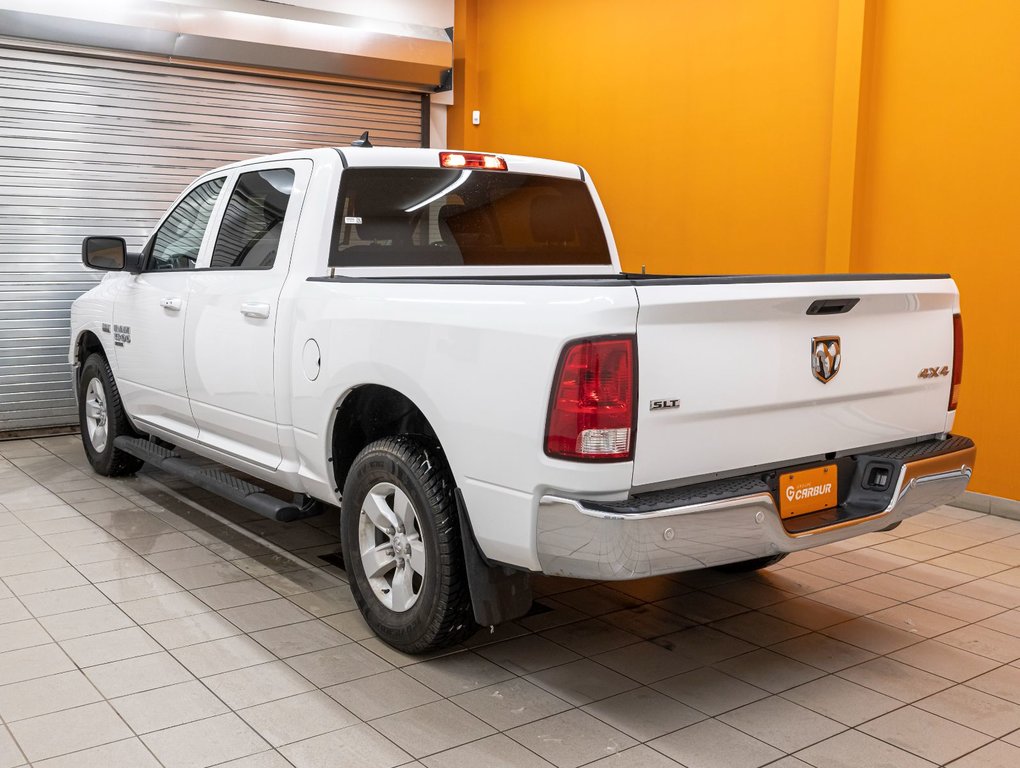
pixel 370 412
pixel 86 344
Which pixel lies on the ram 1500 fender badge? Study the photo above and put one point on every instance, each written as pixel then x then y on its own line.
pixel 825 357
pixel 931 373
pixel 658 405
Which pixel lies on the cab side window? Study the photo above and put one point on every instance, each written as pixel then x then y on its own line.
pixel 249 234
pixel 179 239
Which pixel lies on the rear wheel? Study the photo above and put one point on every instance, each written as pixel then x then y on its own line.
pixel 401 543
pixel 746 566
pixel 102 420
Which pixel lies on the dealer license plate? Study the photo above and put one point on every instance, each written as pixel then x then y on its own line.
pixel 808 490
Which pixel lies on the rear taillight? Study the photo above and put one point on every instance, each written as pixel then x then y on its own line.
pixel 954 391
pixel 591 415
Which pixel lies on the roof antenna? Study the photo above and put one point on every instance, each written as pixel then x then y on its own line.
pixel 362 142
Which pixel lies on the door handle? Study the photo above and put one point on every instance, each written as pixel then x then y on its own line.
pixel 256 309
pixel 173 303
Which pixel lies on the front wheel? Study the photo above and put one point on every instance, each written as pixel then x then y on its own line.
pixel 400 537
pixel 102 420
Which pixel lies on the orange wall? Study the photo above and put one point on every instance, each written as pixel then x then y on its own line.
pixel 721 107
pixel 709 129
pixel 939 188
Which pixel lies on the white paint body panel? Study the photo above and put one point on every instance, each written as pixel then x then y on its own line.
pixel 478 359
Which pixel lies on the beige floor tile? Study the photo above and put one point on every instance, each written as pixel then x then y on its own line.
pixel 325 602
pixel 944 660
pixel 109 646
pixel 995 755
pixel 1003 682
pixel 235 593
pixel 823 652
pixel 646 662
pixel 163 607
pixel 644 757
pixel 168 706
pixel 205 742
pixel 768 670
pixel 712 744
pixel 360 744
pixel 22 634
pixel 972 566
pixel 929 736
pixel 37 661
pixel 64 600
pixel 207 575
pixel 759 628
pixel 382 694
pixel 12 609
pixel 875 636
pixel 974 709
pixel 894 679
pixel 704 645
pixel 457 673
pixel 258 684
pixel 265 615
pixel 270 759
pixel 121 568
pixel 296 639
pixel 163 542
pixel 808 613
pixel 190 630
pixel 838 570
pixel 590 636
pixel 752 593
pixel 139 587
pixel 293 582
pixel 45 581
pixel 190 557
pixel 841 700
pixel 782 723
pixel 15 565
pixel 224 655
pixel 10 755
pixel 852 749
pixel 129 753
pixel 985 642
pixel 933 575
pixel 510 703
pixel 43 695
pixel 431 728
pixel 895 587
pixel 296 718
pixel 644 714
pixel 911 618
pixel 142 673
pixel 699 607
pixel 91 621
pixel 97 553
pixel 571 738
pixel 580 682
pixel 68 731
pixel 645 621
pixel 526 654
pixel 1008 623
pixel 333 666
pixel 710 691
pixel 496 751
pixel 958 606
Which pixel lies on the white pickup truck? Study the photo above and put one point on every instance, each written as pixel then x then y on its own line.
pixel 443 344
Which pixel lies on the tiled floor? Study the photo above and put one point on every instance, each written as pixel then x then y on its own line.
pixel 145 623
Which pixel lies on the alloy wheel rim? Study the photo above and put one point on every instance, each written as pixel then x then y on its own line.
pixel 391 547
pixel 95 415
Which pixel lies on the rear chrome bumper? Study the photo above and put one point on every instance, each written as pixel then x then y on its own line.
pixel 588 540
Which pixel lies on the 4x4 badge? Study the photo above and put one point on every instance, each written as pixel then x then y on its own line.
pixel 825 357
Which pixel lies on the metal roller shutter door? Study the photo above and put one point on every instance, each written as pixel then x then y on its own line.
pixel 95 145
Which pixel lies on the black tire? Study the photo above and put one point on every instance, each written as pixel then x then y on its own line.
pixel 746 566
pixel 441 614
pixel 106 460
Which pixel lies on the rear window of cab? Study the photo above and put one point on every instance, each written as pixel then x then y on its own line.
pixel 436 217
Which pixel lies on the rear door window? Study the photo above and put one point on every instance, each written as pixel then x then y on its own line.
pixel 252 222
pixel 433 217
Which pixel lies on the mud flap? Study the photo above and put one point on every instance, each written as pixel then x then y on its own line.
pixel 498 592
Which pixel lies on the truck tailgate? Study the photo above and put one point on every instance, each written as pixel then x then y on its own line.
pixel 726 377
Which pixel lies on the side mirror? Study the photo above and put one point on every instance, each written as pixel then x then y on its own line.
pixel 108 253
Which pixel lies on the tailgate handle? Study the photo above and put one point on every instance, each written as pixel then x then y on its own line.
pixel 831 306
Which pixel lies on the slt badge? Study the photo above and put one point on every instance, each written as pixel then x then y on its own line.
pixel 825 357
